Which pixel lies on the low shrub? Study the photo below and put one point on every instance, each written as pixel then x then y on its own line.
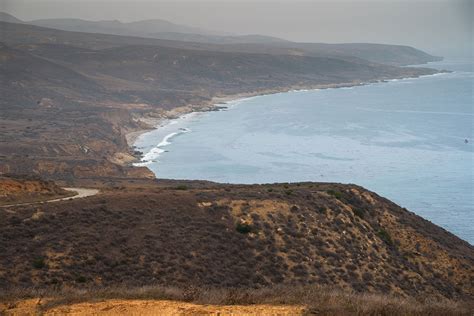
pixel 39 263
pixel 358 212
pixel 385 236
pixel 181 187
pixel 336 194
pixel 81 279
pixel 243 228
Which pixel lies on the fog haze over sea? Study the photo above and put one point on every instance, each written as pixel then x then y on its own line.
pixel 409 140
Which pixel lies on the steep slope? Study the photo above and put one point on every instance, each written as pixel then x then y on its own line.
pixel 201 235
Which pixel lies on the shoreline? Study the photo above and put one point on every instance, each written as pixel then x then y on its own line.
pixel 220 102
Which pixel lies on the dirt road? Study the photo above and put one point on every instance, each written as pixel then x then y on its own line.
pixel 81 193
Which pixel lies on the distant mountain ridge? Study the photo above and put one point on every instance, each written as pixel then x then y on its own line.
pixel 138 28
pixel 251 43
pixel 154 28
pixel 397 55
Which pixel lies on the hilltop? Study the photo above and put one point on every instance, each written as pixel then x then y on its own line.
pixel 198 234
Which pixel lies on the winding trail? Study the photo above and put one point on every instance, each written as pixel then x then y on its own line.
pixel 81 193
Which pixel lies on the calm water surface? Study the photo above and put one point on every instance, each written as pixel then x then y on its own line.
pixel 408 140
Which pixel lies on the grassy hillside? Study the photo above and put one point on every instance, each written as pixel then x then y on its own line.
pixel 234 236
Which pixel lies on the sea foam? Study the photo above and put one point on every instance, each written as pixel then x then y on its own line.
pixel 155 152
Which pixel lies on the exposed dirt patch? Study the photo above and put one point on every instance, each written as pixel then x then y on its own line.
pixel 29 189
pixel 149 307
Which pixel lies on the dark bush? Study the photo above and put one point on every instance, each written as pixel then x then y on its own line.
pixel 358 212
pixel 181 187
pixel 39 263
pixel 336 194
pixel 351 266
pixel 294 209
pixel 385 236
pixel 243 228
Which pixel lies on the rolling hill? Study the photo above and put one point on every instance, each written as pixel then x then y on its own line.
pixel 196 234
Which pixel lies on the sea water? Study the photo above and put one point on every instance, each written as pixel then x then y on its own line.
pixel 409 140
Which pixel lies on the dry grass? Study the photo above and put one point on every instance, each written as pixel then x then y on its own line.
pixel 318 300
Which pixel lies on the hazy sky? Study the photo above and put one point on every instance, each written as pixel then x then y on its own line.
pixel 443 27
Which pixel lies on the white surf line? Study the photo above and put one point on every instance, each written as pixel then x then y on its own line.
pixel 156 151
pixel 81 193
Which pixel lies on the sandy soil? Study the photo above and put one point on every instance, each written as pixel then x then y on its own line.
pixel 146 307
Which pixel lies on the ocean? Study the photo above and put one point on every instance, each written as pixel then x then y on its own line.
pixel 409 140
